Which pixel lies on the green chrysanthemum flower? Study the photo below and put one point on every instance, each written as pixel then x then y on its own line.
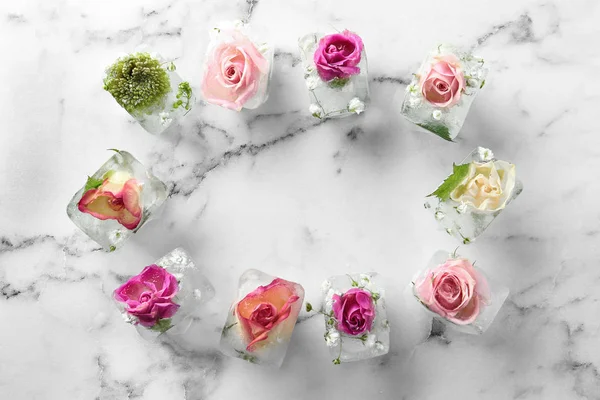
pixel 137 82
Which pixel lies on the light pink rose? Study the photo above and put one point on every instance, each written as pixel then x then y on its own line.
pixel 443 84
pixel 149 295
pixel 454 290
pixel 354 311
pixel 233 72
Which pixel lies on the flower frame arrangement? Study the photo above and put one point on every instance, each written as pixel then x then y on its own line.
pixel 441 92
pixel 237 69
pixel 458 294
pixel 336 73
pixel 149 89
pixel 476 192
pixel 117 200
pixel 165 297
pixel 261 321
pixel 356 324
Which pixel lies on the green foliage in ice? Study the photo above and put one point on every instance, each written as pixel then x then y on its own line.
pixel 459 173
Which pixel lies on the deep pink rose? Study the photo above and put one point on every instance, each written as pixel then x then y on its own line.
pixel 264 309
pixel 454 290
pixel 233 72
pixel 443 84
pixel 354 311
pixel 149 295
pixel 118 198
pixel 338 55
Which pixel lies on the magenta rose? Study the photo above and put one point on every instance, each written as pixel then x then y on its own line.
pixel 354 311
pixel 149 295
pixel 443 84
pixel 454 290
pixel 338 55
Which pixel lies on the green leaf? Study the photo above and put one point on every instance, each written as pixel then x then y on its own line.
pixel 308 307
pixel 162 325
pixel 482 83
pixel 459 172
pixel 112 248
pixel 439 129
pixel 337 83
pixel 92 183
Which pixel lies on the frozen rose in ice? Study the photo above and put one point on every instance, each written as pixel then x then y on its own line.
pixel 443 84
pixel 454 290
pixel 265 309
pixel 149 296
pixel 338 55
pixel 354 311
pixel 118 198
pixel 233 71
pixel 487 187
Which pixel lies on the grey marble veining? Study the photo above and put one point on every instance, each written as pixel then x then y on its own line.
pixel 277 190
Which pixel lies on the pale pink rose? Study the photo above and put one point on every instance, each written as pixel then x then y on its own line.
pixel 454 290
pixel 443 84
pixel 233 72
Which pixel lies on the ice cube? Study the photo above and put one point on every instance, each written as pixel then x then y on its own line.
pixel 154 116
pixel 445 120
pixel 347 339
pixel 261 320
pixel 194 289
pixel 338 97
pixel 489 303
pixel 132 196
pixel 462 219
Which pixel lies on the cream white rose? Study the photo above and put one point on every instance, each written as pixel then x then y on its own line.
pixel 487 187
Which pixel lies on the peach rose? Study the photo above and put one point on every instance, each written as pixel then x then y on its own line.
pixel 443 84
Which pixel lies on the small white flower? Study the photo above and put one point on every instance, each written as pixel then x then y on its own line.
pixel 263 48
pixel 485 154
pixel 379 346
pixel 307 43
pixel 449 231
pixel 462 208
pixel 312 82
pixel 473 83
pixel 365 279
pixel 238 24
pixel 197 294
pixel 371 339
pixel 127 318
pixel 315 110
pixel 325 286
pixel 332 338
pixel 164 118
pixel 437 115
pixel 414 101
pixel 439 215
pixel 356 105
pixel 309 70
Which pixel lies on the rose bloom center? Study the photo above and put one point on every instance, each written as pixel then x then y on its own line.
pixel 441 86
pixel 448 293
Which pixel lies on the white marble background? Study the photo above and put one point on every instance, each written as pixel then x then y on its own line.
pixel 277 190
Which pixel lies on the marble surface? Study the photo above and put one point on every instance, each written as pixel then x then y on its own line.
pixel 277 190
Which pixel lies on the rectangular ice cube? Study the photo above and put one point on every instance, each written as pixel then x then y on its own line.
pixel 116 201
pixel 261 320
pixel 441 92
pixel 191 289
pixel 480 187
pixel 356 325
pixel 234 39
pixel 149 89
pixel 337 97
pixel 453 291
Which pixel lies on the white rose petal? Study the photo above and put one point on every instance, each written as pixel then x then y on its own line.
pixel 356 105
pixel 437 115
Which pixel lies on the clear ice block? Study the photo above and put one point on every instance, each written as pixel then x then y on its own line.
pixel 466 217
pixel 238 35
pixel 445 121
pixel 362 340
pixel 112 223
pixel 129 83
pixel 335 98
pixel 488 295
pixel 193 290
pixel 261 321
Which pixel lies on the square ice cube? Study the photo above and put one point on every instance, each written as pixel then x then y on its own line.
pixel 470 311
pixel 193 290
pixel 356 324
pixel 337 97
pixel 467 202
pixel 116 201
pixel 441 92
pixel 225 41
pixel 261 320
pixel 149 89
